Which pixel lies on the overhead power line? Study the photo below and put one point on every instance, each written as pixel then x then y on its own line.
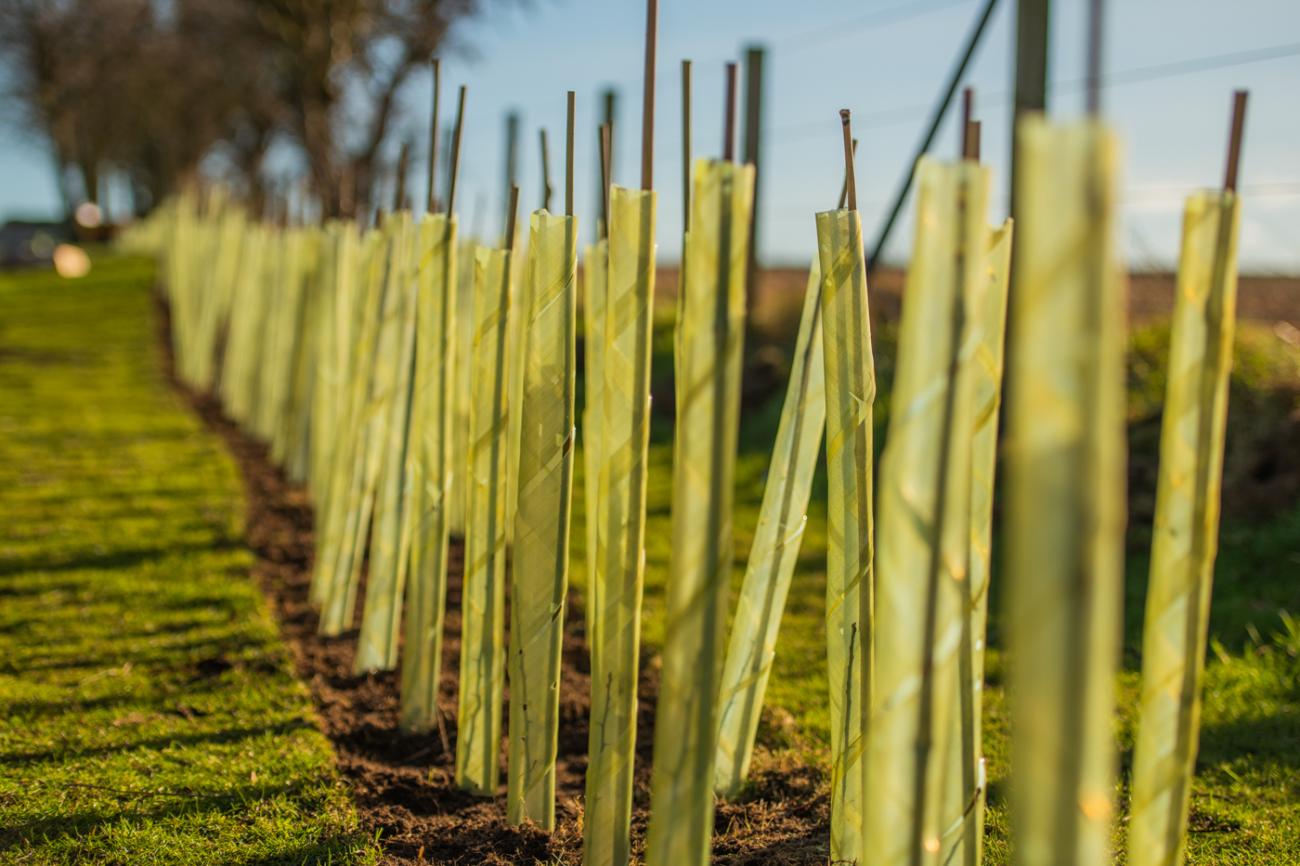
pixel 897 116
pixel 869 21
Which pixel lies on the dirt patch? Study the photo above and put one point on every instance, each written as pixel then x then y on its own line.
pixel 403 784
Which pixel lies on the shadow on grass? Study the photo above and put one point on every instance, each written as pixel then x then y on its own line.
pixel 1269 739
pixel 163 656
pixel 116 560
pixel 224 736
pixel 132 807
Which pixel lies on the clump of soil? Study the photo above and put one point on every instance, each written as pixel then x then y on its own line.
pixel 403 784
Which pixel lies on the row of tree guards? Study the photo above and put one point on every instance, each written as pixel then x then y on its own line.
pixel 422 385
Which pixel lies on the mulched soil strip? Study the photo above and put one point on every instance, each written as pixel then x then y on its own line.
pixel 403 784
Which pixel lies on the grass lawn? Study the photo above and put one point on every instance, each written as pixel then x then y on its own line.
pixel 148 712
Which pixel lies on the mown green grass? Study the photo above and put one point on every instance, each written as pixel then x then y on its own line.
pixel 148 711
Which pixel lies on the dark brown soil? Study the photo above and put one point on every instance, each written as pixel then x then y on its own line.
pixel 402 783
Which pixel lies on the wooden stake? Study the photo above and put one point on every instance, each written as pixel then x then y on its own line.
pixel 1032 32
pixel 686 145
pixel 754 58
pixel 455 152
pixel 546 172
pixel 850 183
pixel 967 115
pixel 605 157
pixel 1096 26
pixel 972 148
pixel 429 201
pixel 512 155
pixel 729 121
pixel 570 108
pixel 444 148
pixel 844 185
pixel 970 128
pixel 1234 139
pixel 399 185
pixel 648 96
pixel 609 102
pixel 611 108
pixel 511 217
pixel 753 126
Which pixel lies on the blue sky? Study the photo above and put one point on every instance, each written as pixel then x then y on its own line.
pixel 886 60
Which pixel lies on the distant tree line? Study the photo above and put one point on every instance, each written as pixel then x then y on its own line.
pixel 149 89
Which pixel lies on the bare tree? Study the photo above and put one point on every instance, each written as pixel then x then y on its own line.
pixel 345 63
pixel 50 79
pixel 114 88
pixel 148 90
